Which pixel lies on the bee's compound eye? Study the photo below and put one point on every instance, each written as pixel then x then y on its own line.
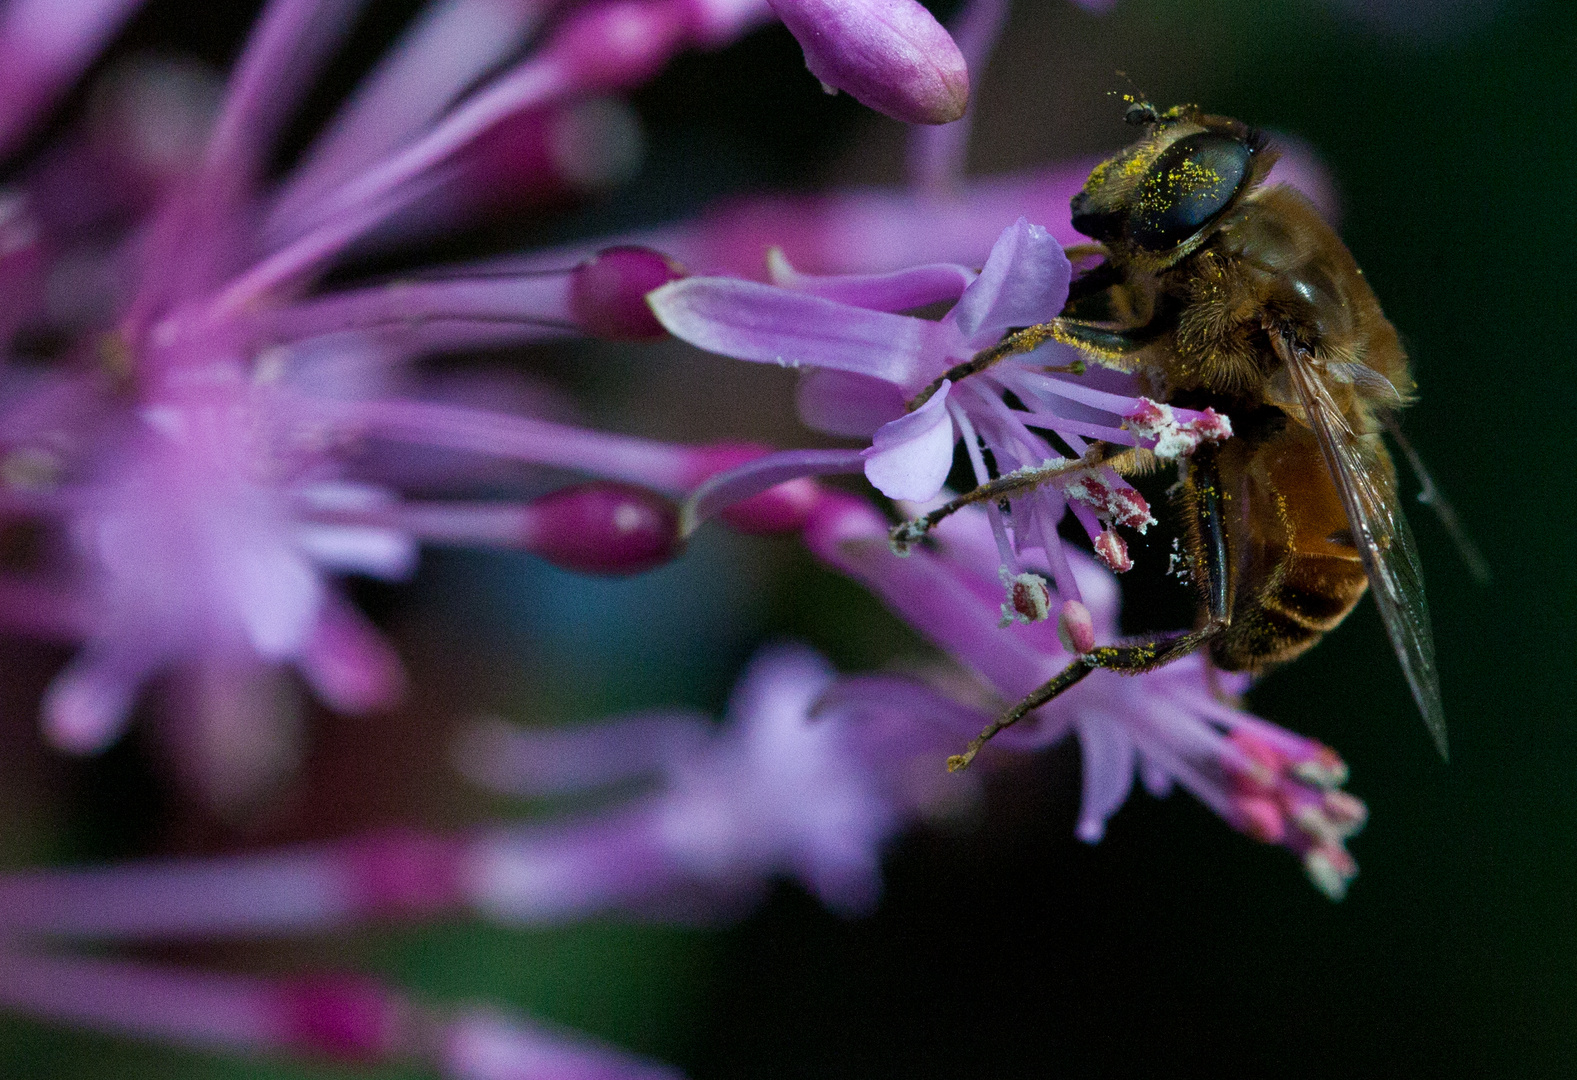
pixel 1189 186
pixel 1105 225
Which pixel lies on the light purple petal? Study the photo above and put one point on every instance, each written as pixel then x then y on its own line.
pixel 894 714
pixel 1025 281
pixel 751 321
pixel 900 290
pixel 44 45
pixel 736 485
pixel 349 664
pixel 288 43
pixel 911 457
pixel 1109 757
pixel 889 54
pixel 446 49
pixel 87 706
pixel 540 761
pixel 843 403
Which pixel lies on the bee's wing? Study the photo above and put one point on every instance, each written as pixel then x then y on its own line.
pixel 1384 541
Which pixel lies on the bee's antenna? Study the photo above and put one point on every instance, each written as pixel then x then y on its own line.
pixel 1140 111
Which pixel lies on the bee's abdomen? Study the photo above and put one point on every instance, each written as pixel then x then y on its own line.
pixel 1298 572
pixel 1317 591
pixel 1306 597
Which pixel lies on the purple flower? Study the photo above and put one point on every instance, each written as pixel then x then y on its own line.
pixel 889 54
pixel 219 441
pixel 793 783
pixel 1167 726
pixel 790 785
pixel 866 361
pixel 345 1019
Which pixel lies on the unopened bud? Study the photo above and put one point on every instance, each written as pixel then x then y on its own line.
pixel 607 46
pixel 604 528
pixel 892 55
pixel 1075 628
pixel 345 1017
pixel 548 154
pixel 1262 819
pixel 607 293
pixel 1331 869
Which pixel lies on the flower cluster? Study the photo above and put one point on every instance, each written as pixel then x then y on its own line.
pixel 208 422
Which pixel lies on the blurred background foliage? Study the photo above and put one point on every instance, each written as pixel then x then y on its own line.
pixel 1004 948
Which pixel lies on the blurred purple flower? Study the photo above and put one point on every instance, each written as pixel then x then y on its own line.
pixel 215 440
pixel 865 362
pixel 339 1018
pixel 792 783
pixel 1169 725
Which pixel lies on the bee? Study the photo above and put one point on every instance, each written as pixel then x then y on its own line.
pixel 1217 290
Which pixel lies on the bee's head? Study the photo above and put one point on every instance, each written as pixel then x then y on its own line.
pixel 1162 197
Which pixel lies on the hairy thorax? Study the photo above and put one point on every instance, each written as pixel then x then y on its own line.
pixel 1275 263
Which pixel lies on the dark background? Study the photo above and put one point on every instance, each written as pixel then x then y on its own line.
pixel 1008 949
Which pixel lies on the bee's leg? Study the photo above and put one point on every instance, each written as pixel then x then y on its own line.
pixel 1124 659
pixel 1026 479
pixel 1144 656
pixel 1202 482
pixel 1099 342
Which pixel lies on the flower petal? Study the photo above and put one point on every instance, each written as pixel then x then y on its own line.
pixel 1109 757
pixel 889 54
pixel 746 481
pixel 1024 282
pixel 751 321
pixel 900 290
pixel 910 457
pixel 843 403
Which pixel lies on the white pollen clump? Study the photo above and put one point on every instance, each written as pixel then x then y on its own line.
pixel 1029 598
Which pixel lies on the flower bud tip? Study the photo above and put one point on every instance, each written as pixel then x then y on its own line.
pixel 604 527
pixel 891 55
pixel 1075 628
pixel 607 293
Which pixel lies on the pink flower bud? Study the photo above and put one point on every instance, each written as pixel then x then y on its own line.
pixel 342 1016
pixel 1075 628
pixel 607 294
pixel 406 873
pixel 603 528
pixel 889 54
pixel 550 155
pixel 619 44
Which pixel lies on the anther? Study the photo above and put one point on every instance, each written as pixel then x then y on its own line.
pixel 1113 551
pixel 1029 598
